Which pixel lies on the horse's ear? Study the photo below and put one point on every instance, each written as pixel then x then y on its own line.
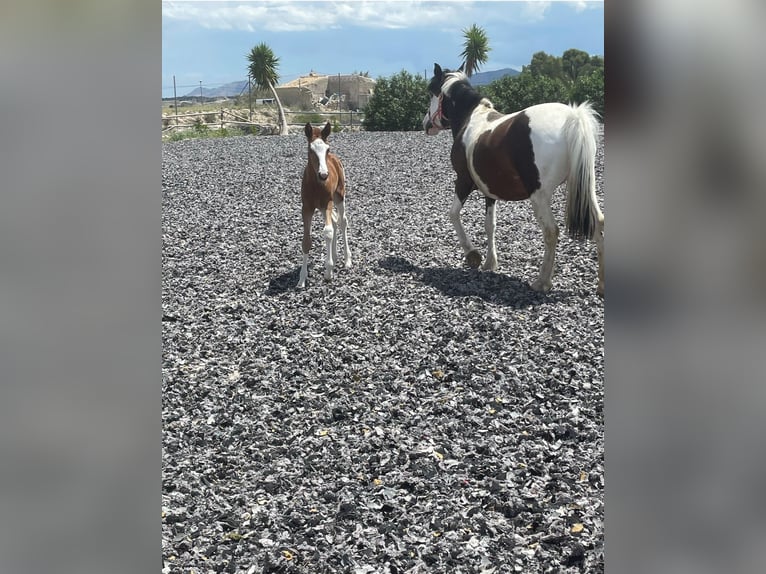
pixel 437 70
pixel 326 130
pixel 308 130
pixel 460 69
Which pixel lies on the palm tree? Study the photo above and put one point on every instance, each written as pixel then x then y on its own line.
pixel 263 71
pixel 475 49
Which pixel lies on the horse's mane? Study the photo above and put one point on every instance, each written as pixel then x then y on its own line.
pixel 461 90
pixel 457 74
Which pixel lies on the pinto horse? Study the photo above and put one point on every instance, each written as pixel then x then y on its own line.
pixel 323 187
pixel 522 155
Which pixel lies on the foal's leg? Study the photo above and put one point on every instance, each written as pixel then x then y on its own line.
pixel 343 228
pixel 472 255
pixel 489 227
pixel 306 245
pixel 334 216
pixel 328 240
pixel 541 204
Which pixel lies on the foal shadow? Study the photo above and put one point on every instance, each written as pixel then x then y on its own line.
pixel 497 288
pixel 284 282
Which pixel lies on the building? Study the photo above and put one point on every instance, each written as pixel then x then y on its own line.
pixel 354 90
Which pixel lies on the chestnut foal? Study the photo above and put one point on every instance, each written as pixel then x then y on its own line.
pixel 323 187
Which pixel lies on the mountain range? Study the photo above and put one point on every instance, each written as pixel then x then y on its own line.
pixel 223 91
pixel 233 89
pixel 484 78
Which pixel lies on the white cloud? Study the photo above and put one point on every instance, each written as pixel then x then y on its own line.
pixel 534 11
pixel 582 5
pixel 281 16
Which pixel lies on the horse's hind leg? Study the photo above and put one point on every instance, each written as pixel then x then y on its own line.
pixel 305 245
pixel 598 237
pixel 490 221
pixel 472 255
pixel 343 228
pixel 541 205
pixel 329 236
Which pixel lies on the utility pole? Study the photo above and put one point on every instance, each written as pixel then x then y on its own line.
pixel 249 99
pixel 200 91
pixel 339 91
pixel 175 98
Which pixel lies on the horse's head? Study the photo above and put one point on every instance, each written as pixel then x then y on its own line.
pixel 438 116
pixel 318 147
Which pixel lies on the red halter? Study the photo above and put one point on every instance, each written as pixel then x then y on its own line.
pixel 438 115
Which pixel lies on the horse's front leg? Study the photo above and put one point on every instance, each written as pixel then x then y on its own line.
pixel 305 245
pixel 329 236
pixel 462 190
pixel 490 264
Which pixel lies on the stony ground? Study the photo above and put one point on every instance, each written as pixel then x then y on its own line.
pixel 413 415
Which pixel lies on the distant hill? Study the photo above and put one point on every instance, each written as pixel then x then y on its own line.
pixel 484 78
pixel 224 91
pixel 233 89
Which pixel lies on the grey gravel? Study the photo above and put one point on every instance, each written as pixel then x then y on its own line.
pixel 413 415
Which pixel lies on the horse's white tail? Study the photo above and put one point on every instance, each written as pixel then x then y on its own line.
pixel 582 212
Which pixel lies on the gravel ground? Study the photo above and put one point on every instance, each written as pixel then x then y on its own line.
pixel 413 415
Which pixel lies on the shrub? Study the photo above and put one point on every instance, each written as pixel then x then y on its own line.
pixel 313 119
pixel 398 104
pixel 199 127
pixel 513 93
pixel 590 87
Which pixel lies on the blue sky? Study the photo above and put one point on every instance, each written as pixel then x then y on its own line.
pixel 208 40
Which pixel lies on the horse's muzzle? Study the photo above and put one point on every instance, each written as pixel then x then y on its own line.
pixel 322 176
pixel 431 129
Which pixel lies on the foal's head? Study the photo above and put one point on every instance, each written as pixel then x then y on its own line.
pixel 318 147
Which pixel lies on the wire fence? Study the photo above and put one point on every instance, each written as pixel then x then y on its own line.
pixel 316 98
pixel 241 119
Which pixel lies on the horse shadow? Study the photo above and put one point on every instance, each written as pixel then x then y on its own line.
pixel 497 288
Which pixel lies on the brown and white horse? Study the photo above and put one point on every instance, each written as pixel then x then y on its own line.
pixel 323 187
pixel 523 155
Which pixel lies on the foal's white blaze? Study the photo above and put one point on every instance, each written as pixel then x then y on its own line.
pixel 320 147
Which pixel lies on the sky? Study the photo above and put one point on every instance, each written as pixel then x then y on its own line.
pixel 208 40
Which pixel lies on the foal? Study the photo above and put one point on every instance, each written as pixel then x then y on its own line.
pixel 323 186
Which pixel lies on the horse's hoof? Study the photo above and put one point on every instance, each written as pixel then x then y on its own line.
pixel 541 286
pixel 489 265
pixel 473 259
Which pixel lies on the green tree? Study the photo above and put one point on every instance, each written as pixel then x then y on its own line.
pixel 397 104
pixel 572 63
pixel 590 87
pixel 475 49
pixel 543 64
pixel 513 93
pixel 263 70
